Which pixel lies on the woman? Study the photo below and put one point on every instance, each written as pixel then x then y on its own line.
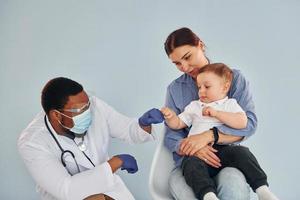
pixel 187 52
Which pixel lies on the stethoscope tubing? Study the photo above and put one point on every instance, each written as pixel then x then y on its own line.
pixel 63 152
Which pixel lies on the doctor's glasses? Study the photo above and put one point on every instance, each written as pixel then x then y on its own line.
pixel 78 110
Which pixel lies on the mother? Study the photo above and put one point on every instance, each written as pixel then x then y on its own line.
pixel 187 52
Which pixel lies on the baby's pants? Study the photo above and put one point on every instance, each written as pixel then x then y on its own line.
pixel 198 174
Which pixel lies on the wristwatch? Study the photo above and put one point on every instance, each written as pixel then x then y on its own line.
pixel 216 134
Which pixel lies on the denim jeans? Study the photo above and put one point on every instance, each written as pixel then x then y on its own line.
pixel 231 185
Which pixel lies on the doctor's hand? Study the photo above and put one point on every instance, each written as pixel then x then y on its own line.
pixel 128 163
pixel 153 116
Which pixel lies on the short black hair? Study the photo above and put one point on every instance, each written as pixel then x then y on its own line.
pixel 56 92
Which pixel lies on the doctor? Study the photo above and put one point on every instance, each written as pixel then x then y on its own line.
pixel 65 148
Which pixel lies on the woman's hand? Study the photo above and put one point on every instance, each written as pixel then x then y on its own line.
pixel 190 145
pixel 207 154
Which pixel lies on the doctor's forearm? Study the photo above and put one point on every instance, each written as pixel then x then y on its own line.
pixel 147 128
pixel 115 163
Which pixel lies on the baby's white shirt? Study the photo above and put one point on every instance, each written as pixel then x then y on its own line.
pixel 192 114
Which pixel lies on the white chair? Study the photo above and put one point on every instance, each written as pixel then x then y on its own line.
pixel 162 165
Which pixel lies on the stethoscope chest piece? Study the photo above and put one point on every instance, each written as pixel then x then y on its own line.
pixel 81 146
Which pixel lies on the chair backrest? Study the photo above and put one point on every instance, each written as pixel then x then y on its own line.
pixel 162 165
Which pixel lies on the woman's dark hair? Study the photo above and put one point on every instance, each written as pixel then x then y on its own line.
pixel 180 37
pixel 56 93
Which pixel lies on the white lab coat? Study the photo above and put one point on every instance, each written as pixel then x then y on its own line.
pixel 42 156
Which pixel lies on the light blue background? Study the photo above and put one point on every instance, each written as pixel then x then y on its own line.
pixel 115 49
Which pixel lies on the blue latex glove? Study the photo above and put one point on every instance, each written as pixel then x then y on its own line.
pixel 129 163
pixel 153 116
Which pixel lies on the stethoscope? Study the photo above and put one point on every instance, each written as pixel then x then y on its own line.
pixel 66 152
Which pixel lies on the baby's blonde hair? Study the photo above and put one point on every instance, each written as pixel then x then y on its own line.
pixel 220 69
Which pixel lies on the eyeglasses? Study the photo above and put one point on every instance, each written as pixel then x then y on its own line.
pixel 78 110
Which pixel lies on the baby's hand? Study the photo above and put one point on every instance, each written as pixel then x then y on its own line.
pixel 167 112
pixel 209 111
